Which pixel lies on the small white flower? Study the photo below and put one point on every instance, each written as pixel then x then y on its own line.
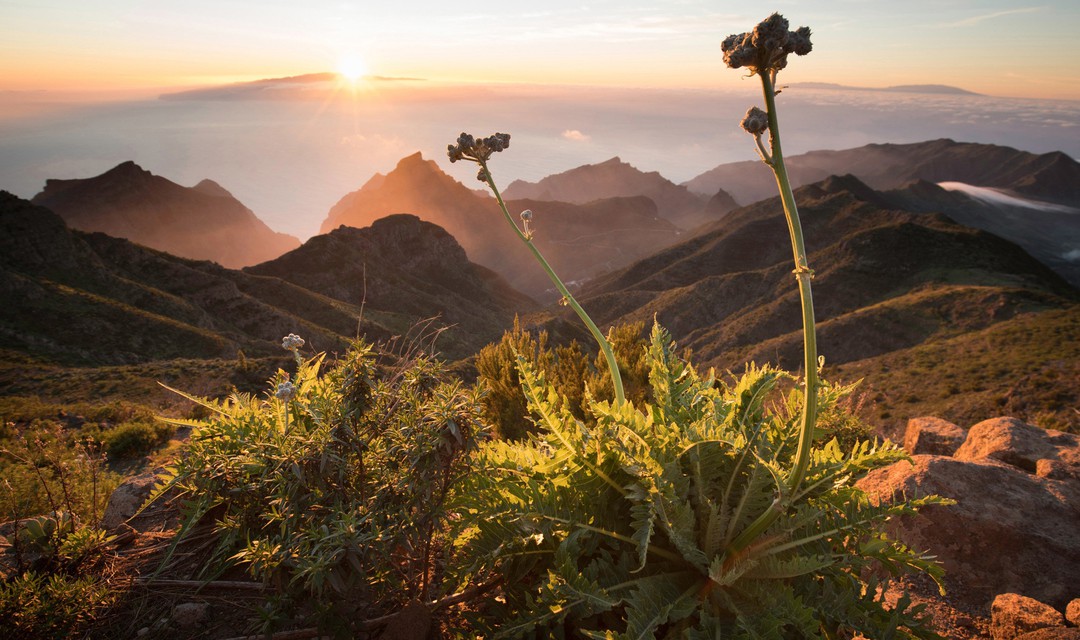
pixel 285 391
pixel 292 342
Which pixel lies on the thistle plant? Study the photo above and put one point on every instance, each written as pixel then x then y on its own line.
pixel 479 151
pixel 714 509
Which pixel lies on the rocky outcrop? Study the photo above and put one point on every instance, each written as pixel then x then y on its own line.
pixel 1013 615
pixel 1011 543
pixel 1020 445
pixel 933 436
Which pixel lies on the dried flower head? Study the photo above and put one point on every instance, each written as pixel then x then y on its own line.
pixel 766 48
pixel 292 342
pixel 469 148
pixel 755 121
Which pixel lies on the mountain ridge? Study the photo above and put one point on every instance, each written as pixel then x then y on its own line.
pixel 204 222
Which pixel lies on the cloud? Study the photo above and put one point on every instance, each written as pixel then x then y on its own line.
pixel 575 135
pixel 974 20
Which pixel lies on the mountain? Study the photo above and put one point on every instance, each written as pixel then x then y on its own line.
pixel 204 222
pixel 887 279
pixel 617 178
pixel 1050 177
pixel 80 298
pixel 403 265
pixel 939 89
pixel 579 240
pixel 1049 232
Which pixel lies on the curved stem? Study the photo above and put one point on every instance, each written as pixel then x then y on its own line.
pixel 803 275
pixel 605 346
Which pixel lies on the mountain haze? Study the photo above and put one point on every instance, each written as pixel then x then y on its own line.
pixel 1051 177
pixel 614 178
pixel 579 240
pixel 204 222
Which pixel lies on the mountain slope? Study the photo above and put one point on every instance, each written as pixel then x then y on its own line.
pixel 76 298
pixel 1052 177
pixel 401 264
pixel 204 222
pixel 886 279
pixel 580 241
pixel 614 178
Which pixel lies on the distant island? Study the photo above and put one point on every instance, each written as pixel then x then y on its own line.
pixel 940 89
pixel 273 87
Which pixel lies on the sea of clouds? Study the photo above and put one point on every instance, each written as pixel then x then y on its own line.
pixel 289 155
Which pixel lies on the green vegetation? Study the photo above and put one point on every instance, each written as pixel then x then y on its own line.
pixel 1024 367
pixel 334 488
pixel 633 523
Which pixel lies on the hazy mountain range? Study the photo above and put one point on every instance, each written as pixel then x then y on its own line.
pixel 902 264
pixel 204 222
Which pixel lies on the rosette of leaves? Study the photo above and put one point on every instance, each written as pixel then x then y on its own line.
pixel 638 522
pixel 335 493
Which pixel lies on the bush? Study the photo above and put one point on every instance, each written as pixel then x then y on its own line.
pixel 333 486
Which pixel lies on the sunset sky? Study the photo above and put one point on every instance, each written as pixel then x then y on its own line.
pixel 996 47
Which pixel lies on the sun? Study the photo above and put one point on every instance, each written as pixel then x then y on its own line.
pixel 351 67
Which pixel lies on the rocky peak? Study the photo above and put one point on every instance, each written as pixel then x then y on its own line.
pixel 211 188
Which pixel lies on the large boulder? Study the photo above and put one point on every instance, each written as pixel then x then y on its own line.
pixel 1018 444
pixel 1009 532
pixel 933 436
pixel 1012 615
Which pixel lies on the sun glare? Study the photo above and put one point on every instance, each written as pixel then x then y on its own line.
pixel 351 67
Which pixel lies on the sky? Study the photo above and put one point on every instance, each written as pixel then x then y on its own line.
pixel 132 47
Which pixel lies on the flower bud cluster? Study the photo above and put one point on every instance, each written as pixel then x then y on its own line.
pixel 469 148
pixel 755 121
pixel 766 48
pixel 285 391
pixel 292 342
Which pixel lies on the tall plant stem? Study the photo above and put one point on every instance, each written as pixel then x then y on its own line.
pixel 605 346
pixel 803 275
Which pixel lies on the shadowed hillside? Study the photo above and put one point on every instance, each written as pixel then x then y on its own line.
pixel 78 298
pixel 886 279
pixel 403 265
pixel 203 222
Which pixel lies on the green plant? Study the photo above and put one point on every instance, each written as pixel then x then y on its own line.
pixel 629 527
pixel 711 510
pixel 332 489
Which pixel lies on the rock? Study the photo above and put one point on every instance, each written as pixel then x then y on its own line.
pixel 1021 445
pixel 933 436
pixel 1072 612
pixel 1054 633
pixel 1057 470
pixel 1012 615
pixel 411 623
pixel 127 499
pixel 1010 531
pixel 190 614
